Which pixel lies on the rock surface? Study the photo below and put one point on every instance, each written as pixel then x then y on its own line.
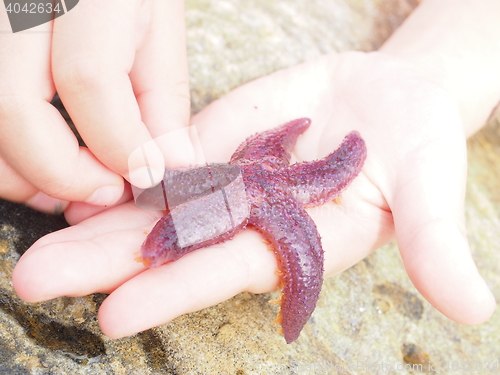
pixel 368 316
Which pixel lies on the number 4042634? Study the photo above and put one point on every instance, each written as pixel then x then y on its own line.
pixel 34 8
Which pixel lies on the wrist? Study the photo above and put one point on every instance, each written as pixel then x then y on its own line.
pixel 455 44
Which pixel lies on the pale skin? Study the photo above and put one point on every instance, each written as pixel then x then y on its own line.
pixel 413 102
pixel 121 71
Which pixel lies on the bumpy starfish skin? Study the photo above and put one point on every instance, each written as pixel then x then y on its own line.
pixel 276 194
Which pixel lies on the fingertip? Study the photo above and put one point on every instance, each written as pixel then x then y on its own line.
pixel 41 276
pixel 119 317
pixel 441 267
pixel 25 283
pixel 104 322
pixel 181 148
pixel 477 305
pixel 107 322
pixel 146 165
pixel 50 270
pixel 105 195
pixel 145 177
pixel 481 306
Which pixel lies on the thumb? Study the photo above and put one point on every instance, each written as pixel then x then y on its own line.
pixel 428 211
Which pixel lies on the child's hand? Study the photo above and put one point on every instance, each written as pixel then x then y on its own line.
pixel 120 69
pixel 411 187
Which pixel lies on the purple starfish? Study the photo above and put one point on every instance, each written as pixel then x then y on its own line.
pixel 211 204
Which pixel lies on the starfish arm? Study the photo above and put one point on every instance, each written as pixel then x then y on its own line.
pixel 315 183
pixel 296 243
pixel 277 143
pixel 163 244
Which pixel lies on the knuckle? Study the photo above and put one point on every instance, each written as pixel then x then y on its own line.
pixel 183 92
pixel 59 183
pixel 57 188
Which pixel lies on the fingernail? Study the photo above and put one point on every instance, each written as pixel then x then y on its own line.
pixel 181 148
pixel 43 202
pixel 145 177
pixel 146 165
pixel 104 196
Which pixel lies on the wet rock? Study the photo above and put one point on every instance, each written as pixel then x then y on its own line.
pixel 415 356
pixel 406 303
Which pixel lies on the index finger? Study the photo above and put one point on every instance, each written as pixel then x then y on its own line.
pixel 92 62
